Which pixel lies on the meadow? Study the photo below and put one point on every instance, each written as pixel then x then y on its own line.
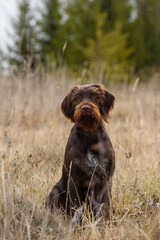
pixel 33 135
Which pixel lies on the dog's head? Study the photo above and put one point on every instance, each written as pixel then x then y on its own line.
pixel 87 105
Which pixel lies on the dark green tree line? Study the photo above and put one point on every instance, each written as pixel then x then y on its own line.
pixel 50 34
pixel 24 45
pixel 121 34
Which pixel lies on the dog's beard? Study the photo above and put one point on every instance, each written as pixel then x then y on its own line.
pixel 89 121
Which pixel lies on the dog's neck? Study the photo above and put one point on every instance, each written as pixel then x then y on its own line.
pixel 87 133
pixel 89 137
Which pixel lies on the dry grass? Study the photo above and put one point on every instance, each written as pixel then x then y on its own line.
pixel 33 134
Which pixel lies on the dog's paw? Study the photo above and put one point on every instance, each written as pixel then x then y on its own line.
pixel 77 218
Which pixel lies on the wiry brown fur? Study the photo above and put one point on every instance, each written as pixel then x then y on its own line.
pixel 89 157
pixel 90 121
pixel 105 100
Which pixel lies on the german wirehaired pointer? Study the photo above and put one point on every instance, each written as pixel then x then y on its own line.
pixel 89 157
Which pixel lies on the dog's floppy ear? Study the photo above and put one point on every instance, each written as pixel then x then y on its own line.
pixel 67 105
pixel 108 105
pixel 67 108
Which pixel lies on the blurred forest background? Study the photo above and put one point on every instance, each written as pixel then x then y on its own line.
pixel 54 46
pixel 112 40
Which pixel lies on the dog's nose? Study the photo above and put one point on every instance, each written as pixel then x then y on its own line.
pixel 86 108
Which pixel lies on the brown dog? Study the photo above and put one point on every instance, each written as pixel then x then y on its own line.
pixel 89 157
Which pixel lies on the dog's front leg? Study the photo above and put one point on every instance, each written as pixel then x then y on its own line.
pixel 56 197
pixel 103 199
pixel 77 217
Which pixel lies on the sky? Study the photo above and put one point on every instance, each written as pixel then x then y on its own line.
pixel 8 12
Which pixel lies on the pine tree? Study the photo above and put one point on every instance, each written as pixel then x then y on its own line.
pixel 81 25
pixel 108 52
pixel 50 39
pixel 24 45
pixel 145 34
pixel 78 27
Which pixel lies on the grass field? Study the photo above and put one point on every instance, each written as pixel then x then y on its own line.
pixel 33 134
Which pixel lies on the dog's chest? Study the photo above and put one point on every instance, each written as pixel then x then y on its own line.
pixel 92 158
pixel 97 165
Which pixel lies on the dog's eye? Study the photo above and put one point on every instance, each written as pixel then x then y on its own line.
pixel 95 97
pixel 77 98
